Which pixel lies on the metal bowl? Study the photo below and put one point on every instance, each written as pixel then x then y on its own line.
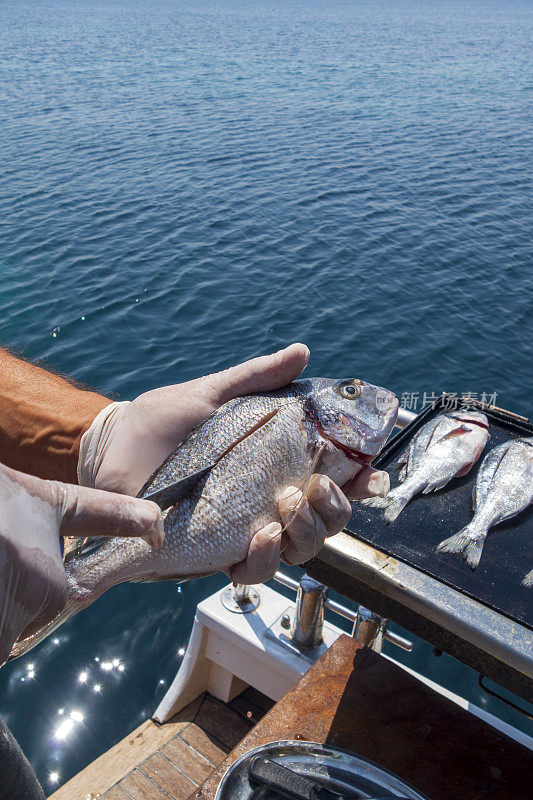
pixel 331 768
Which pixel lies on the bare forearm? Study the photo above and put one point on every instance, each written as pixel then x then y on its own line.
pixel 42 419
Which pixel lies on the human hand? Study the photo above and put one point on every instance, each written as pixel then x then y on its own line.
pixel 126 444
pixel 34 514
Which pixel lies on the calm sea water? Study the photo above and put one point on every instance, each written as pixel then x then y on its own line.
pixel 187 184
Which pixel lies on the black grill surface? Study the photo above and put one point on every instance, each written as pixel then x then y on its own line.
pixel 428 519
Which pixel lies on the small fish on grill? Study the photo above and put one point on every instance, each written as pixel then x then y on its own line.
pixel 257 446
pixel 444 448
pixel 504 488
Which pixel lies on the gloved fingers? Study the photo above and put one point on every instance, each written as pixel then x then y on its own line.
pixel 80 511
pixel 90 512
pixel 262 561
pixel 14 616
pixel 329 502
pixel 261 374
pixel 33 588
pixel 305 530
pixel 50 591
pixel 368 483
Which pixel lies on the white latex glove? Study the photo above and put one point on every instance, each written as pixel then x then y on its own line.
pixel 128 441
pixel 33 515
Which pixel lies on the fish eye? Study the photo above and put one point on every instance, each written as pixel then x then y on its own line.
pixel 351 390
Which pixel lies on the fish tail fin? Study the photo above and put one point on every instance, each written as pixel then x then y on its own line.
pixel 528 580
pixel 76 601
pixel 469 542
pixel 392 505
pixel 473 550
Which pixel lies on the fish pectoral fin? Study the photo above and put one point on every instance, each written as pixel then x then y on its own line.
pixel 456 432
pixel 528 579
pixel 170 495
pixel 465 470
pixel 436 485
pixel 83 547
pixel 199 468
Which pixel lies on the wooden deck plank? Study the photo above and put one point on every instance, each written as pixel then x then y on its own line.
pixel 204 743
pixel 115 793
pixel 222 722
pixel 195 741
pixel 168 777
pixel 139 787
pixel 120 759
pixel 182 755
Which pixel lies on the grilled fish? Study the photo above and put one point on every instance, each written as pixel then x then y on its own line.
pixel 259 445
pixel 444 448
pixel 504 487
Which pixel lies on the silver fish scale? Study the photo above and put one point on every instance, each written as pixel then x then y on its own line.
pixel 231 504
pixel 433 458
pixel 259 445
pixel 504 484
pixel 504 488
pixel 215 435
pixel 212 527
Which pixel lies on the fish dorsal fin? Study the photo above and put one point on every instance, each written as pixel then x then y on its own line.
pixel 212 439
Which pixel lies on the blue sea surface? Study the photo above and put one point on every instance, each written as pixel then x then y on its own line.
pixel 187 184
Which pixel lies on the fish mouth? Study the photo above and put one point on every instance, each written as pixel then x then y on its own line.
pixel 364 459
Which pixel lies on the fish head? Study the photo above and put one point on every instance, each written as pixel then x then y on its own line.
pixel 474 417
pixel 353 415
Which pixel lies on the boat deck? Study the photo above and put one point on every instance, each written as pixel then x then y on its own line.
pixel 171 761
pixel 351 698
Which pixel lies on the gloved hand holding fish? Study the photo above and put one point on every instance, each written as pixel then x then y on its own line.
pixel 503 488
pixel 34 514
pixel 272 457
pixel 444 448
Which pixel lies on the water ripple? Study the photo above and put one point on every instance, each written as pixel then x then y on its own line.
pixel 184 187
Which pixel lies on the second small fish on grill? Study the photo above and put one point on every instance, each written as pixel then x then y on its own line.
pixel 504 487
pixel 444 448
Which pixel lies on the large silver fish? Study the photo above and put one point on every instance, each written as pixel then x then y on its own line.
pixel 260 444
pixel 504 487
pixel 444 448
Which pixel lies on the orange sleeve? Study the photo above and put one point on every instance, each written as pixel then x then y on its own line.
pixel 42 419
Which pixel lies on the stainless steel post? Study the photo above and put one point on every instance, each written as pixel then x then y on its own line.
pixel 240 599
pixel 241 593
pixel 367 625
pixel 306 630
pixel 404 417
pixel 368 629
